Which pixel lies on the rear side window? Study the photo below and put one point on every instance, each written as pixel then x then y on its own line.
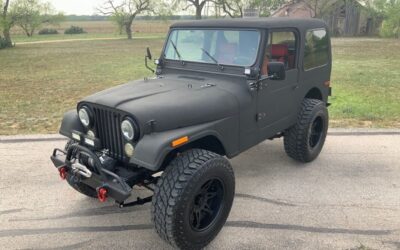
pixel 316 52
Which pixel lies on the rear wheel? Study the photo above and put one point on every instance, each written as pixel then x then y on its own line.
pixel 304 141
pixel 78 186
pixel 193 199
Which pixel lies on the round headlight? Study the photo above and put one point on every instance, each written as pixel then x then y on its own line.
pixel 84 117
pixel 128 130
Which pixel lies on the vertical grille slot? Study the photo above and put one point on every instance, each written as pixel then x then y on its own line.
pixel 107 125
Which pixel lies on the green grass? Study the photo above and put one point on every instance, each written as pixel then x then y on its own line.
pixel 39 82
pixel 366 83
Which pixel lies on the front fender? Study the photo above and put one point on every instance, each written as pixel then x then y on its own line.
pixel 70 123
pixel 151 150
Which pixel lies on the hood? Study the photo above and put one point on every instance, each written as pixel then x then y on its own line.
pixel 170 102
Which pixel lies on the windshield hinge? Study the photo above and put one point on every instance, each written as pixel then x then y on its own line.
pixel 260 116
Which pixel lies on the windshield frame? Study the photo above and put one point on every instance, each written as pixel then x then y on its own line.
pixel 260 39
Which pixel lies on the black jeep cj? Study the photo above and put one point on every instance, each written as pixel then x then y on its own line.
pixel 220 87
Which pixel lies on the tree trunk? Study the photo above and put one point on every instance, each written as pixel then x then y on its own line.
pixel 32 32
pixel 7 37
pixel 6 29
pixel 128 27
pixel 199 9
pixel 128 30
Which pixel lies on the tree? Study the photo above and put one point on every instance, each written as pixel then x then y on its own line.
pixel 197 4
pixel 6 23
pixel 32 14
pixel 319 7
pixel 266 7
pixel 123 12
pixel 119 20
pixel 235 8
pixel 390 11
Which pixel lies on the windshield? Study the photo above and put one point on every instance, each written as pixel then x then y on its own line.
pixel 229 47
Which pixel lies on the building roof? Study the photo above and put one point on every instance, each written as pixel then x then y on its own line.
pixel 268 22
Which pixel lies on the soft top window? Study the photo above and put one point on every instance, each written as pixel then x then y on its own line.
pixel 316 52
pixel 229 47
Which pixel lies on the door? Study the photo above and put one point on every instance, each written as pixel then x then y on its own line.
pixel 276 98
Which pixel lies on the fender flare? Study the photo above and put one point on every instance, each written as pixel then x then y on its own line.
pixel 151 150
pixel 71 122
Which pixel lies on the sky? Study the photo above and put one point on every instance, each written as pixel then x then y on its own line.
pixel 77 7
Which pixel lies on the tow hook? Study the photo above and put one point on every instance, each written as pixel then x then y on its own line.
pixel 102 194
pixel 63 172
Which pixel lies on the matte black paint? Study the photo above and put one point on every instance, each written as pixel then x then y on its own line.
pixel 200 99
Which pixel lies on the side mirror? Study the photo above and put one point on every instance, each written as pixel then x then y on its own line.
pixel 148 53
pixel 148 56
pixel 276 71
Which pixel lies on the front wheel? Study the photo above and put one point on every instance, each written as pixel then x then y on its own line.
pixel 193 199
pixel 304 141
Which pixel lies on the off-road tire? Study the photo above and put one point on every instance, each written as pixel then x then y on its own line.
pixel 176 194
pixel 80 187
pixel 300 140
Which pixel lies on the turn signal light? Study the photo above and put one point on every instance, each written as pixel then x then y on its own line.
pixel 102 194
pixel 63 172
pixel 179 141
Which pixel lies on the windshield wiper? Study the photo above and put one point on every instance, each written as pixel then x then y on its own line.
pixel 212 58
pixel 177 52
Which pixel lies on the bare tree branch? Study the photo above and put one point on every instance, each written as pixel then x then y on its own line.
pixel 197 4
pixel 125 12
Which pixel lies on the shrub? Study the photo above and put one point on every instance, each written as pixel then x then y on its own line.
pixel 47 31
pixel 74 30
pixel 3 43
pixel 390 29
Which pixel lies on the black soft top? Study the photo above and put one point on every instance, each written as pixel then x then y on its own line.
pixel 268 22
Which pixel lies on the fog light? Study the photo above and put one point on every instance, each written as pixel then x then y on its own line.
pixel 129 149
pixel 89 142
pixel 76 136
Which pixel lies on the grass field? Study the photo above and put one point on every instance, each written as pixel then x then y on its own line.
pixel 21 39
pixel 107 27
pixel 366 83
pixel 39 82
pixel 96 29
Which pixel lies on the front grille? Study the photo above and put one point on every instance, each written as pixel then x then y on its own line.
pixel 108 130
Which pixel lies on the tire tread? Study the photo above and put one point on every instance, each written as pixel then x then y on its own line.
pixel 169 189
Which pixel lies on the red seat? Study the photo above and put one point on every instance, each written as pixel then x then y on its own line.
pixel 280 52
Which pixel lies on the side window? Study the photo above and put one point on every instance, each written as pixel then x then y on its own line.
pixel 281 47
pixel 316 51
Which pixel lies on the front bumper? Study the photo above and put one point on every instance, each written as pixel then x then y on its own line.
pixel 97 177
